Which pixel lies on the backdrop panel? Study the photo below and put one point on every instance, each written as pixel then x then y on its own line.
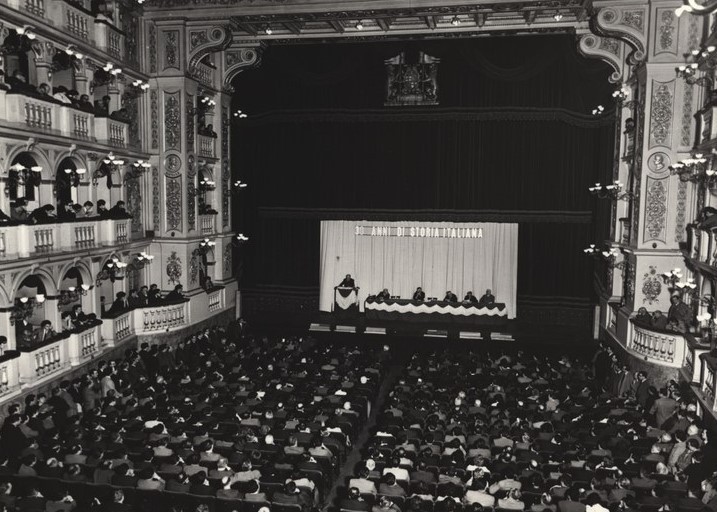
pixel 436 263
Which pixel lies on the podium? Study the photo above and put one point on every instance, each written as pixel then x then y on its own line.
pixel 346 299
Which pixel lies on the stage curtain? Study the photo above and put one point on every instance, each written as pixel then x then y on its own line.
pixel 436 264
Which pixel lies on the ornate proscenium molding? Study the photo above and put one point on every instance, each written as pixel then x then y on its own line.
pixel 239 57
pixel 628 23
pixel 215 39
pixel 609 49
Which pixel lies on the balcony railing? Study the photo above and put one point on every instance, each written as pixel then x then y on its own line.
pixel 9 374
pixel 707 381
pixel 162 318
pixel 111 131
pixel 82 124
pixel 24 240
pixel 41 362
pixel 74 20
pixel 215 300
pixel 84 345
pixel 207 224
pixel 33 112
pixel 659 347
pixel 206 145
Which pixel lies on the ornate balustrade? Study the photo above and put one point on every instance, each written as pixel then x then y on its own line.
pixel 207 224
pixel 708 392
pixel 205 145
pixel 32 112
pixel 84 345
pixel 9 374
pixel 215 300
pixel 111 132
pixel 25 240
pixel 663 348
pixel 34 7
pixel 43 361
pixel 72 19
pixel 116 330
pixel 83 124
pixel 204 74
pixel 691 367
pixel 161 318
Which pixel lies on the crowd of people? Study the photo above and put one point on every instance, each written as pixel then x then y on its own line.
pixel 518 432
pixel 680 317
pixel 67 212
pixel 17 83
pixel 144 296
pixel 216 423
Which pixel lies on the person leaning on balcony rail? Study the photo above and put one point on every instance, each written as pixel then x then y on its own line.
pixel 43 215
pixel 44 332
pixel 102 210
pixel 121 303
pixel 19 211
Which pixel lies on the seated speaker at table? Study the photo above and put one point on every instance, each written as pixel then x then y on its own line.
pixel 419 294
pixel 383 295
pixel 348 282
pixel 488 299
pixel 470 298
pixel 450 297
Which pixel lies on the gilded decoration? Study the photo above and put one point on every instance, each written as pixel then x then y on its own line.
pixel 655 209
pixel 412 84
pixel 154 107
pixel 172 121
pixel 174 268
pixel 661 113
pixel 634 19
pixel 174 203
pixel 639 131
pixel 155 198
pixel 197 38
pixel 686 128
pixel 651 286
pixel 189 113
pixel 171 49
pixel 152 48
pixel 680 217
pixel 172 164
pixel 227 260
pixel 130 27
pixel 666 31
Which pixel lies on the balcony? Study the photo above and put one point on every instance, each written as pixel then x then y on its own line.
pixel 72 19
pixel 84 345
pixel 82 124
pixel 111 132
pixel 707 391
pixel 116 330
pixel 43 361
pixel 109 38
pixel 9 373
pixel 34 7
pixel 215 299
pixel 207 224
pixel 663 348
pixel 205 145
pixel 33 112
pixel 204 74
pixel 25 240
pixel 163 318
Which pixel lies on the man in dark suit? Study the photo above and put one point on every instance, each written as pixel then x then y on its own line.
pixel 78 317
pixel 175 295
pixel 450 297
pixel 44 332
pixel 642 389
pixel 118 211
pixel 120 304
pixel 419 294
pixel 470 298
pixel 488 299
pixel 383 295
pixel 348 282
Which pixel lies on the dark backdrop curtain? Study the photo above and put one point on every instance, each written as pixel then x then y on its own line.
pixel 512 138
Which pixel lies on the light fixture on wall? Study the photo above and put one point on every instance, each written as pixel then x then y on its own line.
pixel 613 191
pixel 141 260
pixel 609 254
pixel 239 184
pixel 22 175
pixel 71 50
pixel 73 294
pixel 673 280
pixel 140 84
pixel 700 8
pixel 598 110
pixel 26 31
pixel 696 169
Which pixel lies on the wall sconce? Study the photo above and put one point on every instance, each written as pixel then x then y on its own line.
pixel 239 184
pixel 206 243
pixel 142 259
pixel 22 175
pixel 24 306
pixel 27 31
pixel 613 191
pixel 240 114
pixel 113 270
pixel 674 282
pixel 206 184
pixel 609 255
pixel 239 239
pixel 696 169
pixel 207 102
pixel 71 50
pixel 141 85
pixel 621 96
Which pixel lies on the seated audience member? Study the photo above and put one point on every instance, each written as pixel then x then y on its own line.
pixel 679 313
pixel 44 332
pixel 643 316
pixel 175 295
pixel 383 295
pixel 18 84
pixel 389 486
pixel 659 321
pixel 154 295
pixel 450 297
pixel 470 298
pixel 19 212
pixel 488 299
pixel 43 215
pixel 86 211
pixel 419 294
pixel 121 303
pixel 67 211
pixel 85 104
pixel 102 211
pixel 118 211
pixel 354 501
pixel 102 106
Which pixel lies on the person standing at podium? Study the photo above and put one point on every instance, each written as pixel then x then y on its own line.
pixel 348 282
pixel 450 297
pixel 419 294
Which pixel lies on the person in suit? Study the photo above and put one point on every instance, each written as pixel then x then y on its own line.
pixel 102 210
pixel 642 389
pixel 487 299
pixel 354 501
pixel 135 301
pixel 291 495
pixel 251 491
pixel 419 294
pixel 348 282
pixel 659 321
pixel 19 212
pixel 175 295
pixel 67 211
pixel 383 295
pixel 154 295
pixel 118 211
pixel 78 317
pixel 118 502
pixel 663 408
pixel 44 332
pixel 121 303
pixel 450 297
pixel 470 298
pixel 362 483
pixel 43 215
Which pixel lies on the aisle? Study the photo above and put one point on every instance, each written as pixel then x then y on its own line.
pixel 354 456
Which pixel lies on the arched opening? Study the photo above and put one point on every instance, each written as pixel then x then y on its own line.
pixel 112 271
pixel 207 186
pixel 67 183
pixel 24 177
pixel 29 311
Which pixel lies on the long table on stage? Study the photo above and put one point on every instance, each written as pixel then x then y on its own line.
pixel 435 311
